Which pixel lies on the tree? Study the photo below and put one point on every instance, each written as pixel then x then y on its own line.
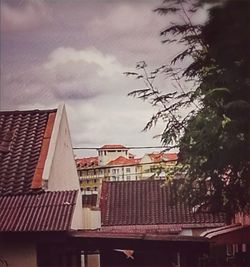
pixel 210 120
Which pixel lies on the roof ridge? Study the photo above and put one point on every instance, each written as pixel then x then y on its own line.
pixel 27 111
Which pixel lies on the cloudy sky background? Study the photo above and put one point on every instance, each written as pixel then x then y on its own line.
pixel 75 52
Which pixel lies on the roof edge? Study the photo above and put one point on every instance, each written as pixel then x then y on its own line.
pixel 37 177
pixel 27 111
pixel 52 145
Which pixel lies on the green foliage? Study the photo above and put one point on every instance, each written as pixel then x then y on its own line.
pixel 210 120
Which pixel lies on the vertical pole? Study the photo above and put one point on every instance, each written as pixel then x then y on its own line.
pixel 178 259
pixel 82 259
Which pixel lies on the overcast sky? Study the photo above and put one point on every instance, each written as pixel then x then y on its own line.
pixel 75 52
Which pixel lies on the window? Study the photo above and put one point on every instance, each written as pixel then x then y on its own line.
pixel 94 180
pixel 128 177
pixel 127 169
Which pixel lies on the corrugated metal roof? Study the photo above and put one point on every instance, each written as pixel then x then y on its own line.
pixel 149 203
pixel 48 211
pixel 22 136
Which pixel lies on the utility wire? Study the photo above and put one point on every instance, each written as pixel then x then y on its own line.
pixel 128 147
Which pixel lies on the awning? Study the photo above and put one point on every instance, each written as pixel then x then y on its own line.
pixel 135 241
pixel 230 234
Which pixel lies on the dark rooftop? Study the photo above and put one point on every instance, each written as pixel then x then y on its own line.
pixel 147 202
pixel 48 211
pixel 23 136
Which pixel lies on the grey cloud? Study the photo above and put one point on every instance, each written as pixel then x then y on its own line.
pixel 23 15
pixel 119 33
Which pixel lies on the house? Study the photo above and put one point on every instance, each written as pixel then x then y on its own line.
pixel 90 174
pixel 39 189
pixel 123 169
pixel 231 243
pixel 144 224
pixel 149 206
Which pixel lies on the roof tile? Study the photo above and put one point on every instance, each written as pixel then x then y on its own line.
pixel 149 203
pixel 25 133
pixel 47 211
pixel 122 161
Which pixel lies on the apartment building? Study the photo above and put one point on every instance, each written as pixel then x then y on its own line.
pixel 156 165
pixel 115 163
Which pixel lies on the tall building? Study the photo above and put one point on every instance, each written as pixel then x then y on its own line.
pixel 108 153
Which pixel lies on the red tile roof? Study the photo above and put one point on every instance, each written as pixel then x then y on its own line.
pixel 149 203
pixel 122 161
pixel 157 157
pixel 87 162
pixel 24 139
pixel 48 211
pixel 171 156
pixel 37 178
pixel 113 147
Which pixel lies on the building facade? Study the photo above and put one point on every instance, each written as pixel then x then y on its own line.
pixel 115 163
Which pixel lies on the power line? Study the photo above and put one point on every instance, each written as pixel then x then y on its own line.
pixel 129 147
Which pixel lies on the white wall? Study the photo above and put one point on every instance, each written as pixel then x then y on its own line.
pixel 60 170
pixel 187 232
pixel 107 155
pixel 91 219
pixel 18 254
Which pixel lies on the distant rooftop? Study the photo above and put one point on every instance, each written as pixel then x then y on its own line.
pixel 87 162
pixel 156 156
pixel 113 146
pixel 123 161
